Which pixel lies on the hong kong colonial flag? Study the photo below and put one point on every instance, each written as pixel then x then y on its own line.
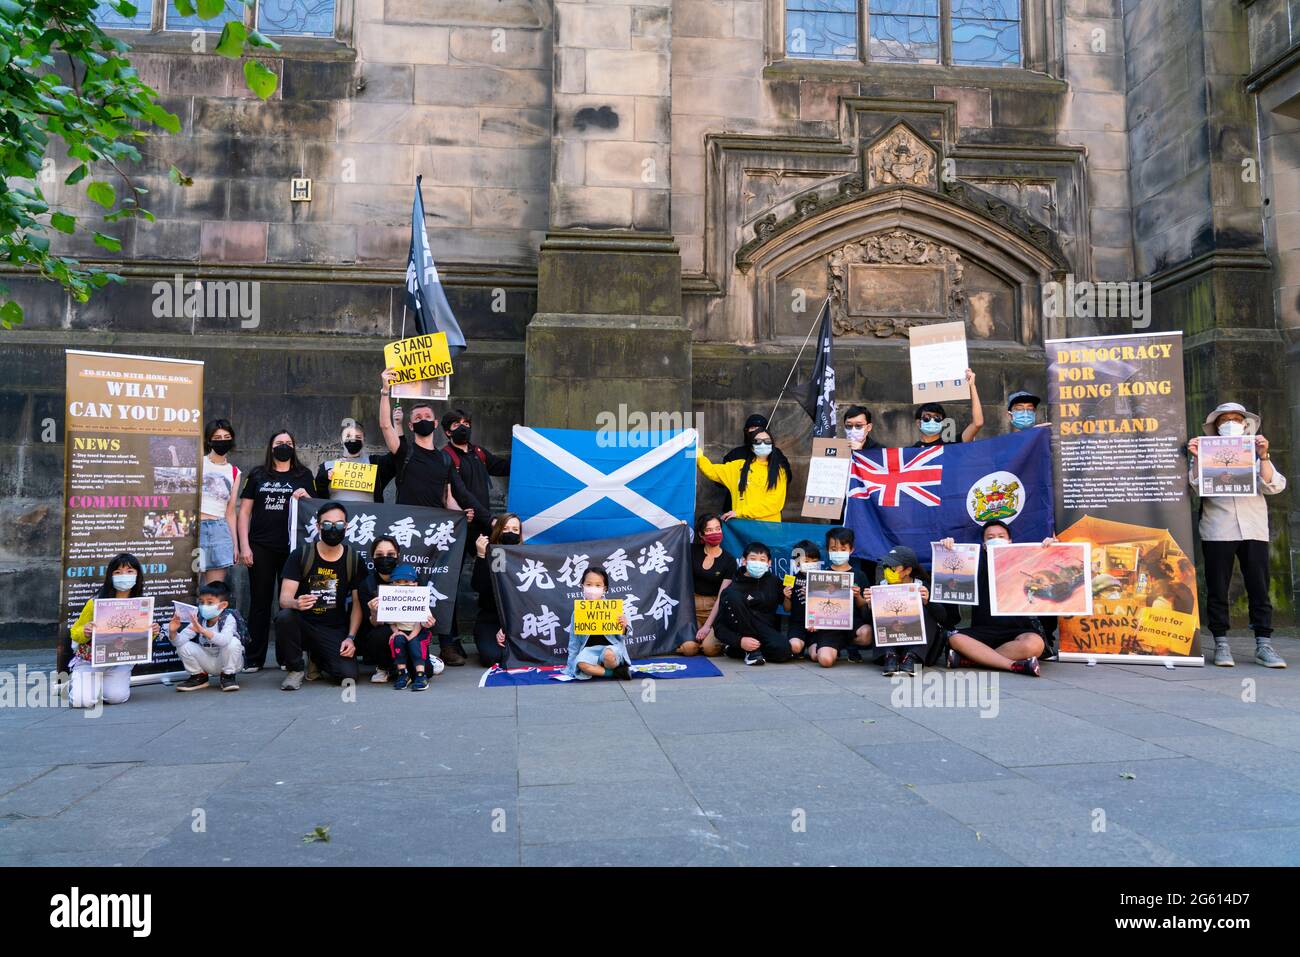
pixel 917 496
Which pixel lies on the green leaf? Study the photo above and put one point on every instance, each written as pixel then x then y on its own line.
pixel 210 8
pixel 102 193
pixel 260 80
pixel 179 178
pixel 258 39
pixel 11 10
pixel 232 40
pixel 63 222
pixel 184 7
pixel 127 10
pixel 77 175
pixel 111 243
pixel 11 314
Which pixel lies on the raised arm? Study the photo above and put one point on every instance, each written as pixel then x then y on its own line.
pixel 976 410
pixel 391 438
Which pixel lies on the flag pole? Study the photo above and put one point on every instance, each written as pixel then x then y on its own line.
pixel 816 321
pixel 403 335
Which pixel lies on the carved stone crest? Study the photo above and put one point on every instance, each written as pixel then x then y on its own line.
pixel 884 283
pixel 900 156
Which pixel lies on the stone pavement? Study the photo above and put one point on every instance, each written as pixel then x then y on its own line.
pixel 785 764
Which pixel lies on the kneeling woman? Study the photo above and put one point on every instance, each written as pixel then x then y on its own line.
pixel 598 656
pixel 112 684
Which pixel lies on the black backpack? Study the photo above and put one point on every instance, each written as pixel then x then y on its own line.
pixel 307 555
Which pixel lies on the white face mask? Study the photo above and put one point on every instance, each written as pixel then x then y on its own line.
pixel 1232 428
pixel 762 450
pixel 124 582
pixel 856 434
pixel 993 542
pixel 593 592
pixel 811 566
pixel 840 558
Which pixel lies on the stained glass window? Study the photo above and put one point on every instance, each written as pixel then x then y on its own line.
pixel 986 32
pixel 300 18
pixel 174 21
pixel 108 17
pixel 904 30
pixel 822 29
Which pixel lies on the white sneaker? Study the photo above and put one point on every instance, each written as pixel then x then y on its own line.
pixel 379 677
pixel 436 665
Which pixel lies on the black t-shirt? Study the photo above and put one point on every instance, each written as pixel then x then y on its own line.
pixel 423 475
pixel 921 445
pixel 708 581
pixel 762 596
pixel 367 588
pixel 270 492
pixel 328 581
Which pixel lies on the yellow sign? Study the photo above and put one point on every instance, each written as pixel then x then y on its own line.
pixel 597 617
pixel 353 477
pixel 787 581
pixel 419 357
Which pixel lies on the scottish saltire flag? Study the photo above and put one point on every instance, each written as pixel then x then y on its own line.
pixel 569 485
pixel 819 399
pixel 919 495
pixel 424 293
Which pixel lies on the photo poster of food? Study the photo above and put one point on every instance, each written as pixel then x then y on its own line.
pixel 122 632
pixel 133 440
pixel 897 615
pixel 1036 579
pixel 1144 593
pixel 1226 465
pixel 829 601
pixel 954 574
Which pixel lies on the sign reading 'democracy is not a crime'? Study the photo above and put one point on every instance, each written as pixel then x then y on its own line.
pixel 402 603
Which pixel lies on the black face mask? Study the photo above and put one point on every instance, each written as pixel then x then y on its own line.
pixel 221 446
pixel 282 453
pixel 423 427
pixel 510 538
pixel 460 434
pixel 353 446
pixel 384 564
pixel 332 536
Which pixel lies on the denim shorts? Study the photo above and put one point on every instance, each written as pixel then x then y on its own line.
pixel 592 655
pixel 216 548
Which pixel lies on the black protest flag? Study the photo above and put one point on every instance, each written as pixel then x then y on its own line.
pixel 424 292
pixel 819 400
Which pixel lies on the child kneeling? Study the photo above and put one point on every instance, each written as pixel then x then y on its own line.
pixel 210 644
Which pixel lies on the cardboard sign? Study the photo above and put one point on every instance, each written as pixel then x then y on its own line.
pixel 418 358
pixel 1226 465
pixel 439 388
pixel 123 631
pixel 939 362
pixel 402 603
pixel 353 477
pixel 828 478
pixel 954 574
pixel 828 601
pixel 897 615
pixel 597 617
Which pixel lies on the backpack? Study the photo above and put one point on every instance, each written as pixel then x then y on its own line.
pixel 241 626
pixel 454 455
pixel 307 555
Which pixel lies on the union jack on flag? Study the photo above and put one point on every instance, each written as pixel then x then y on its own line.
pixel 902 471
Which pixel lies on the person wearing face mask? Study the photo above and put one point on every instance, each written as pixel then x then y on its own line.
pixel 746 623
pixel 598 656
pixel 757 482
pixel 857 428
pixel 824 645
pixel 805 556
pixel 930 418
pixel 210 644
pixel 317 584
pixel 354 440
pixel 475 465
pixel 712 571
pixel 489 637
pixel 264 535
pixel 1004 642
pixel 1234 530
pixel 218 524
pixel 755 423
pixel 93 685
pixel 901 567
pixel 425 476
pixel 372 641
pixel 1022 410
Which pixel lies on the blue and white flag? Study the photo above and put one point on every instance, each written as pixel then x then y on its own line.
pixel 424 292
pixel 569 485
pixel 916 496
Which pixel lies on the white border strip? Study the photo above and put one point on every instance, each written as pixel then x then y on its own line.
pixel 1129 335
pixel 125 355
pixel 1163 660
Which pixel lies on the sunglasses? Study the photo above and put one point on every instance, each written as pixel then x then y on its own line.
pixel 931 417
pixel 333 526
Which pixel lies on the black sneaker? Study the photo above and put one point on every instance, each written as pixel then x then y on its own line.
pixel 891 663
pixel 910 661
pixel 855 654
pixel 193 683
pixel 229 682
pixel 755 658
pixel 1026 666
pixel 403 679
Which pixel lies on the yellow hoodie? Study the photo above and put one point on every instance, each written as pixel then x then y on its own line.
pixel 758 501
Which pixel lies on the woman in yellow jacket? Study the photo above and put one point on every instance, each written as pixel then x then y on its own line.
pixel 91 685
pixel 757 482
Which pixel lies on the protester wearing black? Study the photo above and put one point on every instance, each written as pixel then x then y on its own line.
pixel 489 639
pixel 264 535
pixel 930 419
pixel 746 623
pixel 475 465
pixel 319 581
pixel 372 640
pixel 423 473
pixel 753 425
pixel 857 428
pixel 900 566
pixel 712 570
pixel 353 440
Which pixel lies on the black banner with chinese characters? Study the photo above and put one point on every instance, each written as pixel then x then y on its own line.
pixel 431 539
pixel 536 586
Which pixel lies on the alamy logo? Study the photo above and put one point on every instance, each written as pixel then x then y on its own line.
pixel 213 299
pixel 76 910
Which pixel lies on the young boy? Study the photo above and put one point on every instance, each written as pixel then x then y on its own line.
pixel 900 567
pixel 410 642
pixel 804 558
pixel 210 644
pixel 824 647
pixel 746 622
